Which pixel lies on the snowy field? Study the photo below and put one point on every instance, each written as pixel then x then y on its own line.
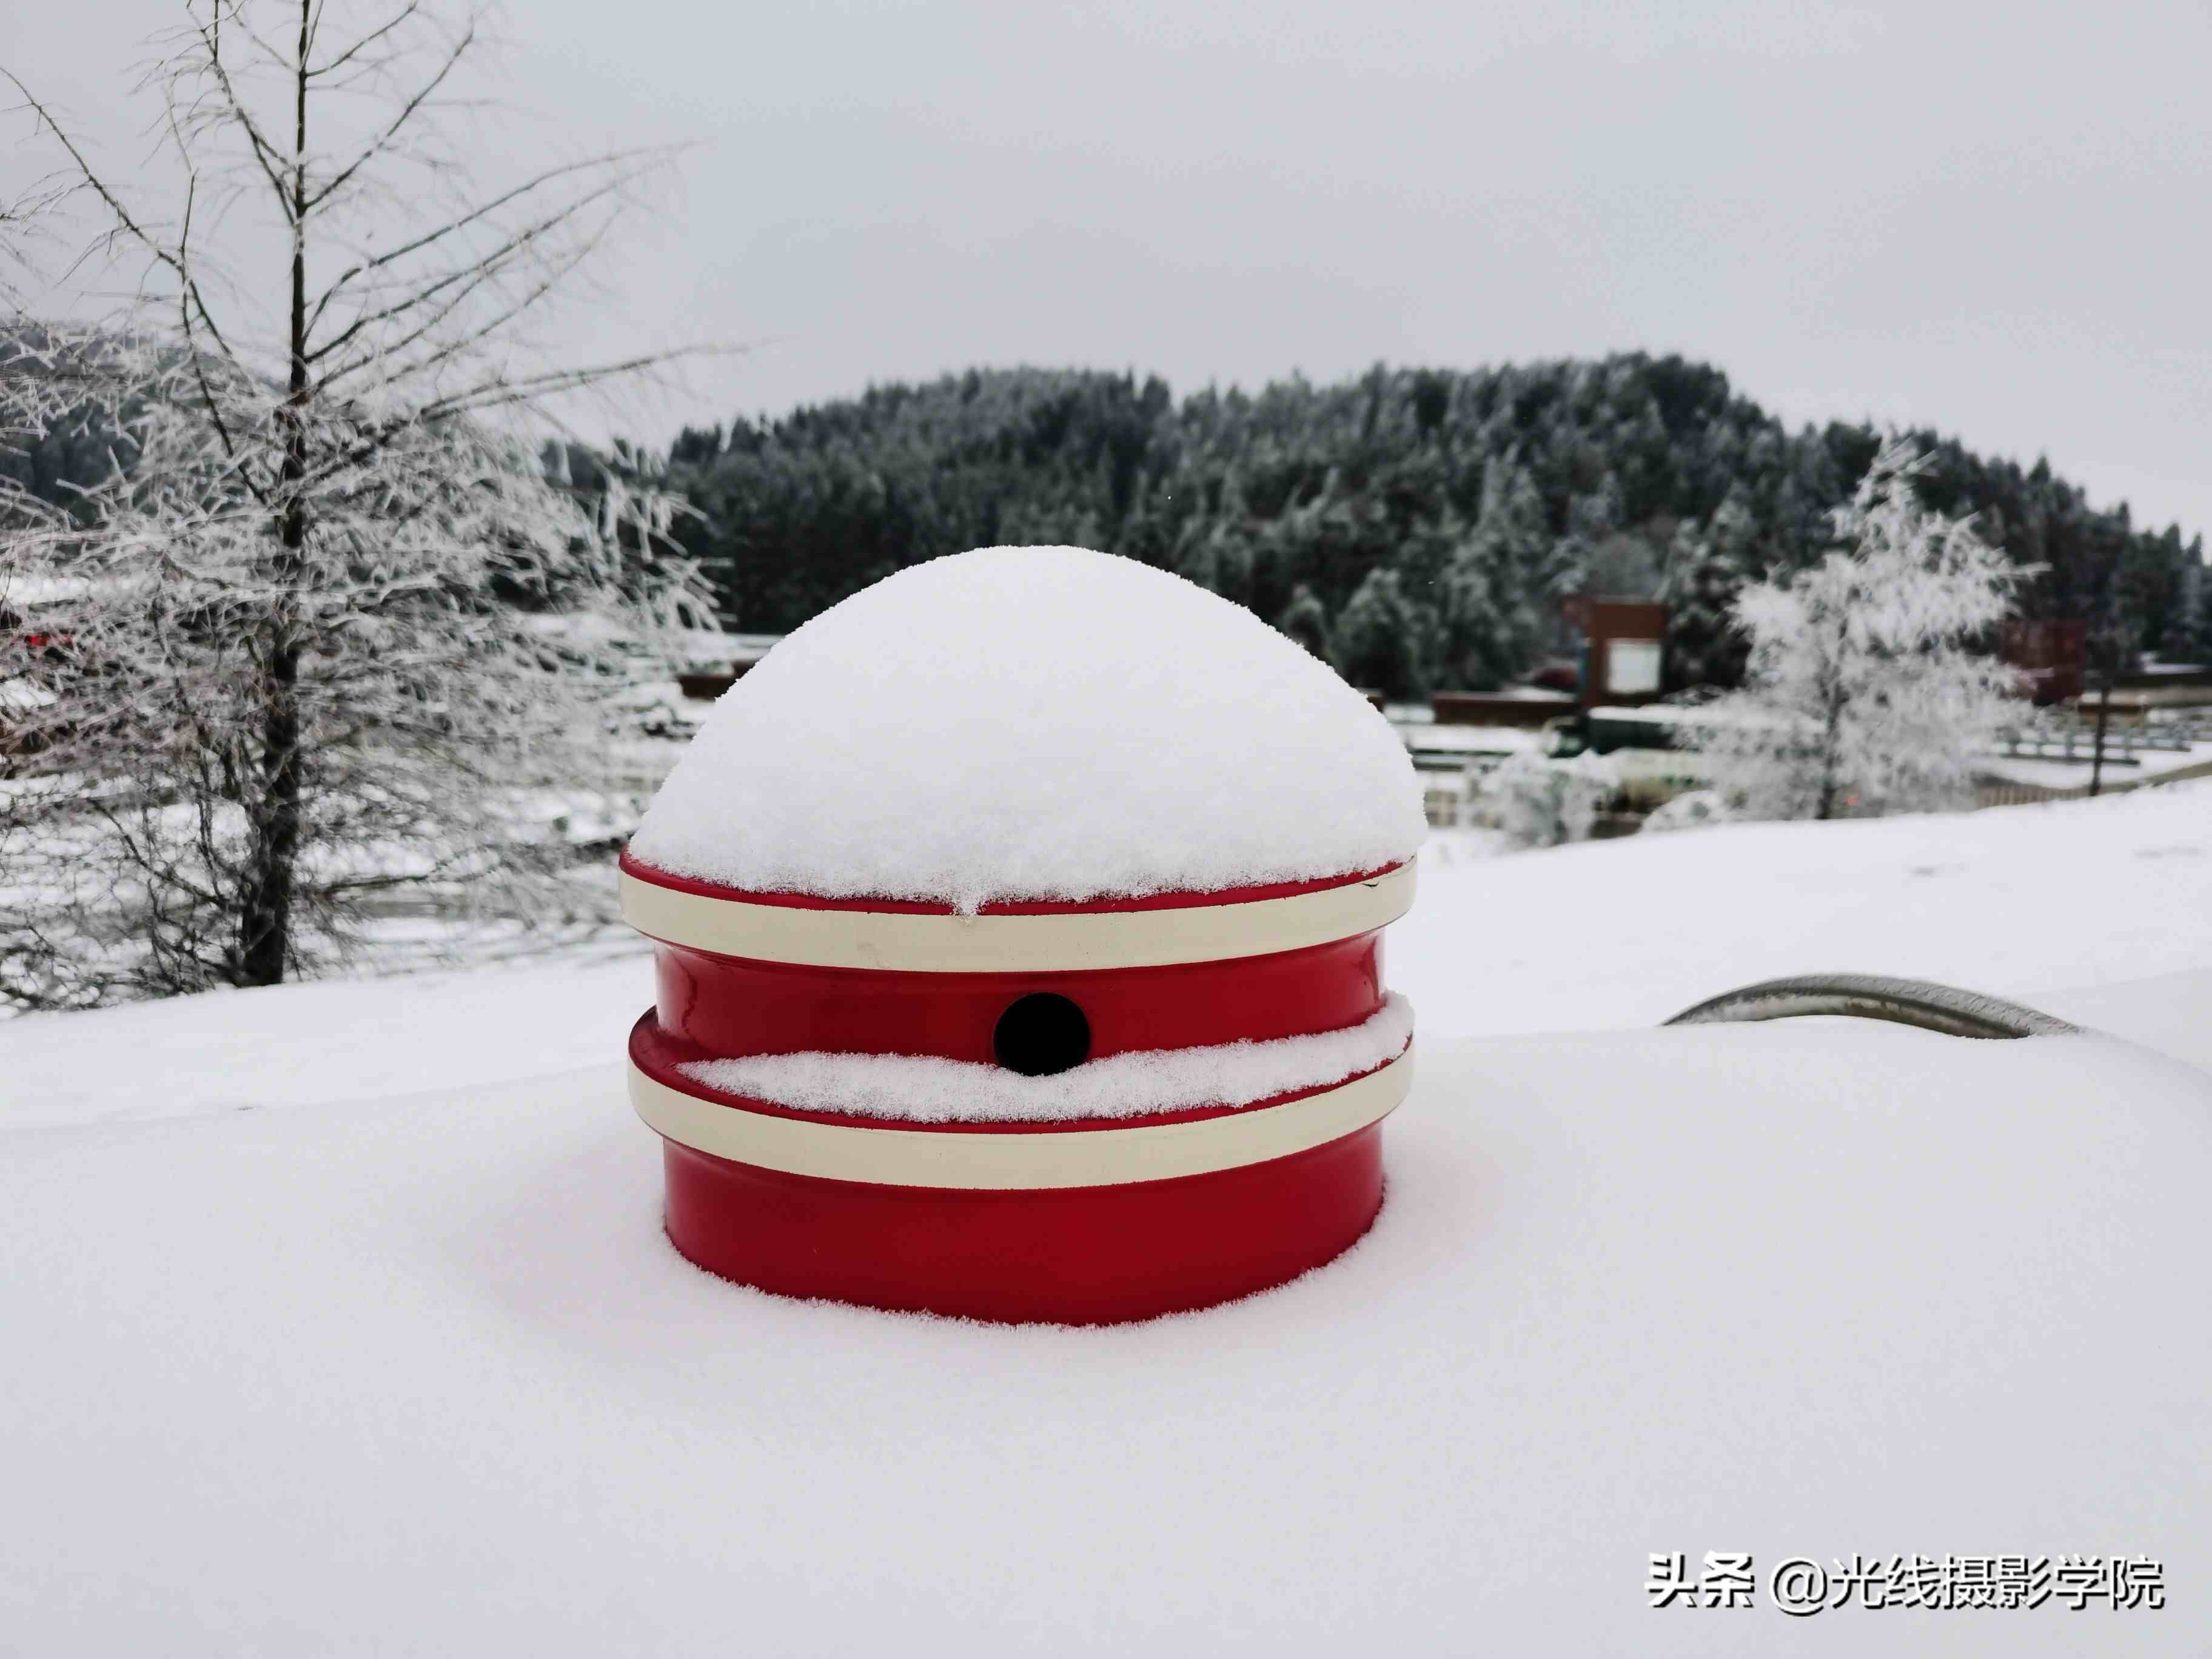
pixel 372 1345
pixel 2096 910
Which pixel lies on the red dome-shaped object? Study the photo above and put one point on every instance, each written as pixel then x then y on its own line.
pixel 1082 1220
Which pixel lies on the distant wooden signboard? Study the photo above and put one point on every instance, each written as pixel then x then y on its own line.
pixel 1624 652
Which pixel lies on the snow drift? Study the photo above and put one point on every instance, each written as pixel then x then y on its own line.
pixel 421 1376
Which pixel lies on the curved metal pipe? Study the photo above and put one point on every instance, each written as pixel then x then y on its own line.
pixel 1916 1002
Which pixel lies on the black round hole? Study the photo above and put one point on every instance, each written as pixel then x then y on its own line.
pixel 1041 1034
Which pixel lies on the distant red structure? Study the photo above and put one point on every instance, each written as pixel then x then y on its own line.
pixel 2054 655
pixel 1623 649
pixel 1521 706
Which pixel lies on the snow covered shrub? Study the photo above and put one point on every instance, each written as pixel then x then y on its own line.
pixel 1545 803
pixel 1692 810
pixel 1863 692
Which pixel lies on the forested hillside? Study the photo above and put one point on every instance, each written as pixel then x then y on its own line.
pixel 1418 526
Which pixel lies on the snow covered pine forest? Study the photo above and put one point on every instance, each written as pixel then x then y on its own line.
pixel 341 661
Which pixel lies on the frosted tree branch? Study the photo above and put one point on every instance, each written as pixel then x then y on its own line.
pixel 1867 689
pixel 325 636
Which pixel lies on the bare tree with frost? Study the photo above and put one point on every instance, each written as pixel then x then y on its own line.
pixel 1865 692
pixel 328 643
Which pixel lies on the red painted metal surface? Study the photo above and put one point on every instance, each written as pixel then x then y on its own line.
pixel 1085 1255
pixel 1075 1255
pixel 729 1007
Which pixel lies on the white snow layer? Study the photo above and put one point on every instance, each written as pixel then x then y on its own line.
pixel 422 1376
pixel 2088 909
pixel 926 1089
pixel 2032 903
pixel 418 1373
pixel 1035 722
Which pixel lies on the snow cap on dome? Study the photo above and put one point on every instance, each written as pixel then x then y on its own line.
pixel 1034 723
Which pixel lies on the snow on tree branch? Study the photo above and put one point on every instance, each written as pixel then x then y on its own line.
pixel 1865 690
pixel 325 632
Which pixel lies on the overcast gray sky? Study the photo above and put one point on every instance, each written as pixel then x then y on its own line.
pixel 1988 217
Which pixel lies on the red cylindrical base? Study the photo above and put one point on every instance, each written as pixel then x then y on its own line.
pixel 1082 1255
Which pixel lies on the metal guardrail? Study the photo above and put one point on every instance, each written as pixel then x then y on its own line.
pixel 1917 1002
pixel 2072 736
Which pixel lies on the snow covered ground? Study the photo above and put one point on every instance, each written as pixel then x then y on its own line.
pixel 373 1346
pixel 2062 906
pixel 2093 909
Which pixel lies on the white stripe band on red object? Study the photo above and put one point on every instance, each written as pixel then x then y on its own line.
pixel 1057 941
pixel 1090 1155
